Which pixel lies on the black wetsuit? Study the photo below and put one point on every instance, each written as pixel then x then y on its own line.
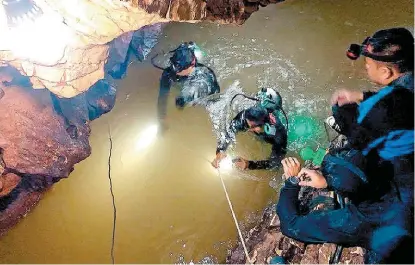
pixel 278 142
pixel 375 219
pixel 200 83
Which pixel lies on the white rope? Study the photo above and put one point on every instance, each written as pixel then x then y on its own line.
pixel 230 206
pixel 234 218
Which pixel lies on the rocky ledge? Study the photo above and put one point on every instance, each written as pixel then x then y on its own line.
pixel 66 50
pixel 266 241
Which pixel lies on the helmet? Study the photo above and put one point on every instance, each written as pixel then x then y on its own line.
pixel 270 99
pixel 183 57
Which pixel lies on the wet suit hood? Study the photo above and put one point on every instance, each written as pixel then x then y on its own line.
pixel 182 59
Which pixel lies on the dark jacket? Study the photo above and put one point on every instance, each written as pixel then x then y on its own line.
pixel 382 126
pixel 200 83
pixel 379 114
pixel 278 142
pixel 377 221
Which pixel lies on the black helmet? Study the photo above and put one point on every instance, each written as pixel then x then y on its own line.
pixel 182 58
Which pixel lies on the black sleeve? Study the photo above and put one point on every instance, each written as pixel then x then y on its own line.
pixel 215 84
pixel 393 112
pixel 165 84
pixel 238 124
pixel 211 77
pixel 273 162
pixel 340 226
pixel 279 149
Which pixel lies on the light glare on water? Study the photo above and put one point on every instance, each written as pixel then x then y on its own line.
pixel 147 137
pixel 225 165
pixel 170 203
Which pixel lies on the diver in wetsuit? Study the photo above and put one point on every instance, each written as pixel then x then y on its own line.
pixel 264 122
pixel 195 79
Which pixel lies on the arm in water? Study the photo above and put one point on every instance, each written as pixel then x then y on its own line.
pixel 215 88
pixel 165 84
pixel 238 124
pixel 279 149
pixel 277 154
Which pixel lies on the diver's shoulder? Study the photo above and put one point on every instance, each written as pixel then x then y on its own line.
pixel 204 68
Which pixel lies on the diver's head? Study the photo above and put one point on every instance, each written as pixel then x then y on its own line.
pixel 389 53
pixel 256 117
pixel 183 60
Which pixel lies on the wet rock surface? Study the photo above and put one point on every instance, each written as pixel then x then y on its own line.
pixel 68 51
pixel 224 11
pixel 42 137
pixel 266 241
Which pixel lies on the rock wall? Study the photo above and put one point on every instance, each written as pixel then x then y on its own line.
pixel 42 137
pixel 66 50
pixel 224 11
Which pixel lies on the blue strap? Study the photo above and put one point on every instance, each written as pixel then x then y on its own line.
pixel 396 143
pixel 357 171
pixel 368 104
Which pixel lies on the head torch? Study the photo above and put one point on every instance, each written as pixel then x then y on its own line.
pixel 355 50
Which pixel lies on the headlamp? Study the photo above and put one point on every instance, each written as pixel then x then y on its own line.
pixel 355 50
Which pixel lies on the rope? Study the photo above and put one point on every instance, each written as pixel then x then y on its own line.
pixel 234 218
pixel 112 195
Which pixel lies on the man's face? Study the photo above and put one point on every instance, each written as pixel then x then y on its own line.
pixel 186 72
pixel 253 127
pixel 377 72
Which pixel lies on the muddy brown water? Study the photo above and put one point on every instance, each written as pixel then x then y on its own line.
pixel 170 203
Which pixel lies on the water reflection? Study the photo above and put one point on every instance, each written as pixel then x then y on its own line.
pixel 225 165
pixel 169 198
pixel 147 137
